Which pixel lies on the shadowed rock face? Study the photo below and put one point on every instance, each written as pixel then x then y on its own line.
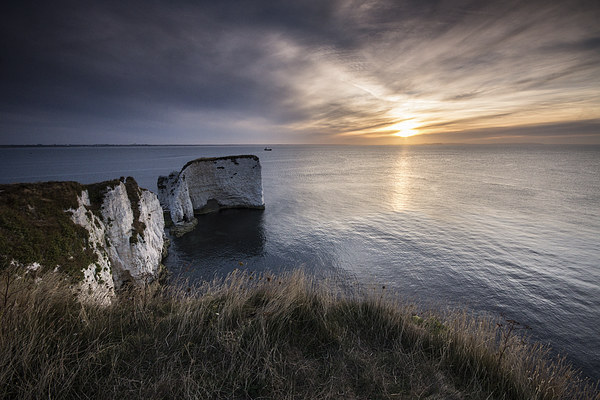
pixel 209 184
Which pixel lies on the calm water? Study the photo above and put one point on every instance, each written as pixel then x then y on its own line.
pixel 512 230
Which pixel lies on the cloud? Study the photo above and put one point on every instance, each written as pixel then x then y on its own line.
pixel 305 71
pixel 577 132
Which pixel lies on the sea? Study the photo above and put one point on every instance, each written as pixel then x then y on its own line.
pixel 510 231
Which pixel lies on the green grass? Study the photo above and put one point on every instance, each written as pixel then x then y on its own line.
pixel 34 227
pixel 259 337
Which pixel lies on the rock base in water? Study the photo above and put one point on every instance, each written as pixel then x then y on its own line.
pixel 183 228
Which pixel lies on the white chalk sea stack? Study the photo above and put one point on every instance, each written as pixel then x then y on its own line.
pixel 209 184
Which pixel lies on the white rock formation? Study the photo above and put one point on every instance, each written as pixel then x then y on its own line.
pixel 174 196
pixel 128 240
pixel 208 184
pixel 98 283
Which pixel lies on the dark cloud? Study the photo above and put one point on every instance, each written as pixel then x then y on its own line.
pixel 257 71
pixel 463 96
pixel 578 132
pixel 586 44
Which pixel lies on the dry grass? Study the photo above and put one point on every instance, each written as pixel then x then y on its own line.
pixel 258 337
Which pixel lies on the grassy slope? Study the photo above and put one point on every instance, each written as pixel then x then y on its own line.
pixel 34 226
pixel 255 337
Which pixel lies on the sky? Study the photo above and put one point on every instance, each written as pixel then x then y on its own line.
pixel 304 71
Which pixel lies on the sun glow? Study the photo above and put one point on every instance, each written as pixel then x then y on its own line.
pixel 405 128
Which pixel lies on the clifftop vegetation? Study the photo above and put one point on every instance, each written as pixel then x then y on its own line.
pixel 34 226
pixel 233 159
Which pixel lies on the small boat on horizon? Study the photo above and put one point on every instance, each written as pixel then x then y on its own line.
pixel 268 149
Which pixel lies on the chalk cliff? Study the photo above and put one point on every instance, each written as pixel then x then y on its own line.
pixel 127 237
pixel 113 229
pixel 209 184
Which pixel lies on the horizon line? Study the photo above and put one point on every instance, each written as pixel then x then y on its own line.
pixel 293 144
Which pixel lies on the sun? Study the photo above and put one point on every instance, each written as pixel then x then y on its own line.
pixel 405 128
